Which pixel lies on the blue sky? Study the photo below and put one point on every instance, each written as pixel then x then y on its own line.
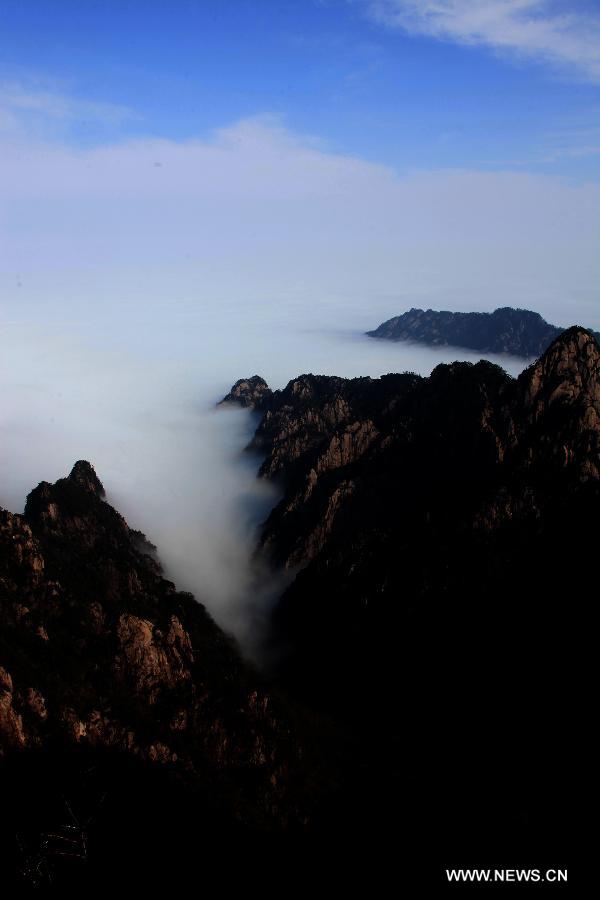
pixel 192 192
pixel 314 155
pixel 374 79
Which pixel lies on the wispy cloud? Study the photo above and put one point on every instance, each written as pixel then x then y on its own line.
pixel 559 32
pixel 580 142
pixel 24 107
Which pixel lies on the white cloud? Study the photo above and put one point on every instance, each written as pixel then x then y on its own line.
pixel 24 109
pixel 139 280
pixel 256 211
pixel 561 33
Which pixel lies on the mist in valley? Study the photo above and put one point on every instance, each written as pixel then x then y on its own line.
pixel 139 280
pixel 171 462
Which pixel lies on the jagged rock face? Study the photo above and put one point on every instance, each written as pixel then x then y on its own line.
pixel 457 435
pixel 434 522
pixel 251 393
pixel 559 406
pixel 98 650
pixel 83 474
pixel 519 332
pixel 323 433
pixel 314 407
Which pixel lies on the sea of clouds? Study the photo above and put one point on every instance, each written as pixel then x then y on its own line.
pixel 139 281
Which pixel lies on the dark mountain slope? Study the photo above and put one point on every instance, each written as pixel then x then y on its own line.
pixel 120 699
pixel 437 524
pixel 519 332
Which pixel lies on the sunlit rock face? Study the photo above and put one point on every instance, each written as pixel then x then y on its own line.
pixel 250 393
pixel 99 654
pixel 388 481
pixel 559 406
pixel 403 442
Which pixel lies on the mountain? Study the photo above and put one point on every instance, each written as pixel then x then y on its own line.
pixel 129 724
pixel 438 533
pixel 438 536
pixel 250 393
pixel 519 332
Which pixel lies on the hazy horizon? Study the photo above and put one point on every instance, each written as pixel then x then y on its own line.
pixel 171 462
pixel 206 191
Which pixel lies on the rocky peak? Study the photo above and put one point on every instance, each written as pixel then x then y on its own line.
pixel 74 507
pixel 340 445
pixel 520 332
pixel 99 652
pixel 84 474
pixel 556 407
pixel 251 393
pixel 567 372
pixel 303 415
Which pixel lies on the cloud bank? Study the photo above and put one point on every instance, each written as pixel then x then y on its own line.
pixel 259 214
pixel 139 280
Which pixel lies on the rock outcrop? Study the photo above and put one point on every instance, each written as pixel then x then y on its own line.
pixel 251 393
pixel 519 332
pixel 434 528
pixel 439 536
pixel 459 431
pixel 104 665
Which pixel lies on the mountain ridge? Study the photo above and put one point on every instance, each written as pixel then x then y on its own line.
pixel 515 331
pixel 106 668
pixel 428 524
pixel 431 528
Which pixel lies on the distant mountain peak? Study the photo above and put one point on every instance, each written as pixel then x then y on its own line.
pixel 520 332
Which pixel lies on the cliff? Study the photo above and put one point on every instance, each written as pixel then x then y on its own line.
pixel 439 535
pixel 433 528
pixel 519 332
pixel 129 725
pixel 250 393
